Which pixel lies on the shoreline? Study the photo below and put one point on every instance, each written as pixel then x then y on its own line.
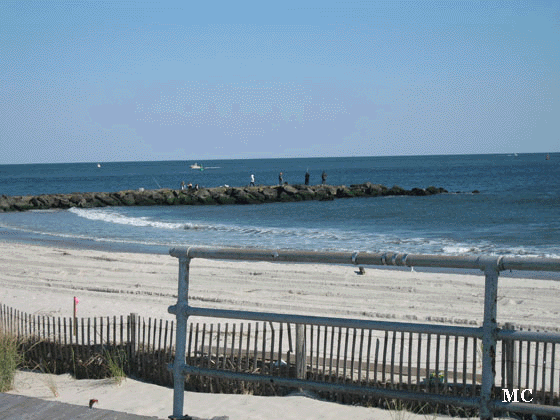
pixel 25 238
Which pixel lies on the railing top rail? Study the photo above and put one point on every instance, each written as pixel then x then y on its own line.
pixel 367 258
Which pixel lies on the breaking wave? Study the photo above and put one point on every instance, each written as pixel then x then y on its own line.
pixel 234 234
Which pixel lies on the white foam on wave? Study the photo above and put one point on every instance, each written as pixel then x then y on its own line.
pixel 113 216
pixel 298 238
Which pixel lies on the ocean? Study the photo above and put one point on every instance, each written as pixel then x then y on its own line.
pixel 517 211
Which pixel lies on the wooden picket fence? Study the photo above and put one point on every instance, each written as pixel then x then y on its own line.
pixel 448 364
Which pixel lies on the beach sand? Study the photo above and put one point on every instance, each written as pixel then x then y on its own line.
pixel 44 280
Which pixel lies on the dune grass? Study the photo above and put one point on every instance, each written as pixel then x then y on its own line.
pixel 10 359
pixel 116 361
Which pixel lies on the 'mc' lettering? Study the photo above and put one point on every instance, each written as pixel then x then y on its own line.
pixel 512 397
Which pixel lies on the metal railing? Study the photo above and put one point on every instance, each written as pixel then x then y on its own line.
pixel 489 332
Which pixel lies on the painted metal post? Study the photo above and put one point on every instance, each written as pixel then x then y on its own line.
pixel 180 349
pixel 489 330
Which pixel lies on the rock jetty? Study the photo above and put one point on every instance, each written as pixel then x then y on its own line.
pixel 206 196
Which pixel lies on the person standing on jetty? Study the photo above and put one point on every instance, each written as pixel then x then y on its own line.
pixel 252 183
pixel 323 177
pixel 280 178
pixel 307 177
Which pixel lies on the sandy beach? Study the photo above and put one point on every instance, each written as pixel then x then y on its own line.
pixel 44 280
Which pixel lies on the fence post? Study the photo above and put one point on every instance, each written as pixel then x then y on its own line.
pixel 180 345
pixel 489 331
pixel 301 358
pixel 133 341
pixel 510 361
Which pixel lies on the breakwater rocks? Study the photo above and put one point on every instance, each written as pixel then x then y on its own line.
pixel 206 196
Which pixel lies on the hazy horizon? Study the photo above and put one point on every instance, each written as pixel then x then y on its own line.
pixel 200 160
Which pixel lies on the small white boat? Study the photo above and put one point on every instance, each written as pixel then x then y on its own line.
pixel 196 166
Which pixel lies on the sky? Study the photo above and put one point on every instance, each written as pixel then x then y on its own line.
pixel 98 81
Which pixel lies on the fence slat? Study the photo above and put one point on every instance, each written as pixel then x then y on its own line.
pixel 240 350
pixel 455 363
pixel 189 346
pixel 272 338
pixel 264 348
pixel 474 349
pixel 331 355
pixel 384 368
pixel 536 368
pixel 225 346
pixel 248 346
pixel 552 357
pixel 520 363
pixel 256 343
pixel 218 339
pixel 465 352
pixel 325 343
pixel 428 354
pixel 376 361
pixel 418 359
pixel 410 344
pixel 197 350
pixel 311 347
pixel 232 355
pixel 543 384
pixel 338 355
pixel 352 365
pixel 344 377
pixel 436 367
pixel 393 345
pixel 360 356
pixel 280 339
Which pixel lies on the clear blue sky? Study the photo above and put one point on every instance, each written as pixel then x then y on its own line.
pixel 89 81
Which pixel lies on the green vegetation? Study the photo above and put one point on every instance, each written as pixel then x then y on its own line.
pixel 10 359
pixel 116 361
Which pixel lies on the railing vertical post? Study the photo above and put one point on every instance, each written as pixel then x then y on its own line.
pixel 180 346
pixel 489 330
pixel 301 357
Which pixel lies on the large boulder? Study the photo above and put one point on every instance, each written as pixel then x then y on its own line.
pixel 203 196
pixel 418 192
pixel 245 195
pixel 270 194
pixel 105 199
pixel 396 190
pixel 344 192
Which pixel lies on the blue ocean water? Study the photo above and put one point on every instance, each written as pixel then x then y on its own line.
pixel 516 213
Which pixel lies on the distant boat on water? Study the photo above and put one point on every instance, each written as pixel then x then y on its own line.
pixel 99 165
pixel 547 156
pixel 197 166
